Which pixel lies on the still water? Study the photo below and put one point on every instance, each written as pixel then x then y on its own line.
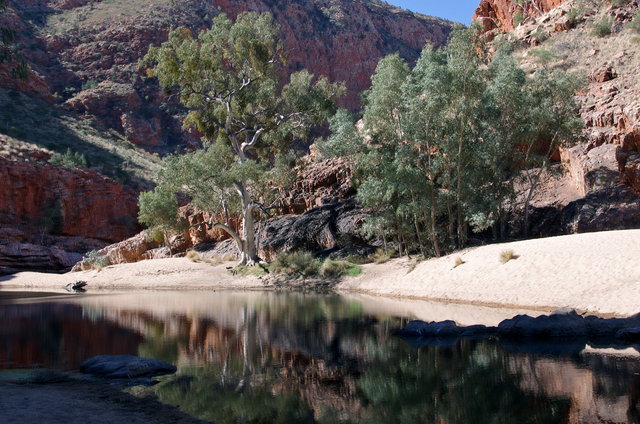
pixel 265 357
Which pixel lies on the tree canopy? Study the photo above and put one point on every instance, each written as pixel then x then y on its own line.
pixel 227 79
pixel 446 145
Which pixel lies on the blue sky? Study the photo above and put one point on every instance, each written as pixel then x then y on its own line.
pixel 455 10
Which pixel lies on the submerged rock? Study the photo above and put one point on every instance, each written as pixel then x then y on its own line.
pixel 125 366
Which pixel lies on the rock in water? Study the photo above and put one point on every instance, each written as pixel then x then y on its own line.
pixel 76 286
pixel 125 366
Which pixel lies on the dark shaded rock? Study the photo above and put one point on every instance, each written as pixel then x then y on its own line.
pixel 322 228
pixel 430 329
pixel 629 334
pixel 608 328
pixel 352 251
pixel 125 366
pixel 611 208
pixel 562 324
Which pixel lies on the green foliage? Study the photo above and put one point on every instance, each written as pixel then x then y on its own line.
pixel 70 160
pixel 449 139
pixel 295 264
pixel 227 80
pixel 93 260
pixel 303 264
pixel 345 139
pixel 543 56
pixel 518 17
pixel 159 209
pixel 336 269
pixel 602 28
pixel 382 255
pixel 87 85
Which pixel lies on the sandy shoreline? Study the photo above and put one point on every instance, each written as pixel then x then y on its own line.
pixel 596 273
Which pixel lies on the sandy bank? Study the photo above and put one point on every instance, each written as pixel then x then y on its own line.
pixel 596 272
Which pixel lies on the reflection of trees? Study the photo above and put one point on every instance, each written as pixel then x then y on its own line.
pixel 469 383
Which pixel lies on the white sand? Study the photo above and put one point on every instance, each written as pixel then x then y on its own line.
pixel 596 273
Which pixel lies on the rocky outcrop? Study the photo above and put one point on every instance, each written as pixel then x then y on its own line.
pixel 89 42
pixel 500 14
pixel 325 228
pixel 35 251
pixel 65 202
pixel 320 183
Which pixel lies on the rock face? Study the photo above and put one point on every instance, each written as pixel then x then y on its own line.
pixel 499 14
pixel 70 203
pixel 329 227
pixel 88 50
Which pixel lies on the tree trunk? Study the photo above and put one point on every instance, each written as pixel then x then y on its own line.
pixel 249 255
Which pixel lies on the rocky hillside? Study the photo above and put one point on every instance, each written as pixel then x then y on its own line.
pixel 87 51
pixel 597 42
pixel 85 93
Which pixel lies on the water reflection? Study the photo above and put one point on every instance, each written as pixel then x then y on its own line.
pixel 258 357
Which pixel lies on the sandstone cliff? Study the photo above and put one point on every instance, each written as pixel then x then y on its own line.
pixel 87 51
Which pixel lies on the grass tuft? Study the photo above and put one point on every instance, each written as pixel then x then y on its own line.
pixel 382 255
pixel 506 256
pixel 457 261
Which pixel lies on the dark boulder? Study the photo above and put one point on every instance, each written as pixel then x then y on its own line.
pixel 125 366
pixel 328 227
pixel 559 324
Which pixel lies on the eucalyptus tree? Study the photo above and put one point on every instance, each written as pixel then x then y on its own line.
pixel 227 78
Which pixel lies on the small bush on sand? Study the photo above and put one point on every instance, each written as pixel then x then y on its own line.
pixel 382 255
pixel 506 256
pixel 457 261
pixel 337 269
pixel 602 28
pixel 93 260
pixel 295 264
pixel 193 256
pixel 257 270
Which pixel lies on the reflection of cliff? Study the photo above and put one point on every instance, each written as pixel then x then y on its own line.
pixel 57 336
pixel 601 388
pixel 265 358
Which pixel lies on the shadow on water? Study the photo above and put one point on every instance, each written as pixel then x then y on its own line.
pixel 294 358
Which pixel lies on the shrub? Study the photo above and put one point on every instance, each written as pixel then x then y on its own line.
pixel 298 264
pixel 518 17
pixel 70 160
pixel 382 255
pixel 154 234
pixel 506 256
pixel 602 28
pixel 337 269
pixel 635 23
pixel 94 260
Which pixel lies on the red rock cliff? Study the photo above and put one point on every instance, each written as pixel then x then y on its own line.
pixel 79 203
pixel 499 14
pixel 89 42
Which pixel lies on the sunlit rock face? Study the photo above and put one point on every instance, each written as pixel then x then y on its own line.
pixel 500 14
pixel 87 51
